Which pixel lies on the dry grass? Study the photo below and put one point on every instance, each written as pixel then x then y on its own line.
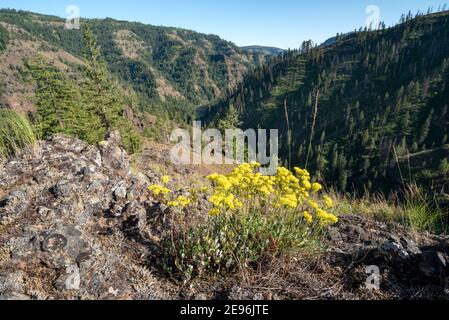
pixel 375 206
pixel 130 44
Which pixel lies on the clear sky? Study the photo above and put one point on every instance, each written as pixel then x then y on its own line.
pixel 280 23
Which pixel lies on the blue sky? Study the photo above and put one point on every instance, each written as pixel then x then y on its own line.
pixel 280 23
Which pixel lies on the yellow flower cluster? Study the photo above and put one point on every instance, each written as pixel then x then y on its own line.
pixel 159 190
pixel 285 190
pixel 180 202
pixel 162 191
pixel 245 189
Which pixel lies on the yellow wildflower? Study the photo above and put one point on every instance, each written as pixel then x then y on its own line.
pixel 183 201
pixel 173 204
pixel 214 212
pixel 288 190
pixel 328 201
pixel 308 217
pixel 165 179
pixel 289 201
pixel 316 187
pixel 158 190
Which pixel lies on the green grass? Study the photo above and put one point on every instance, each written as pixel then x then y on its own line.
pixel 422 215
pixel 15 134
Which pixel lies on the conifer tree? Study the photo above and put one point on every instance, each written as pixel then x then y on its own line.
pixel 3 102
pixel 55 98
pixel 59 104
pixel 98 90
pixel 230 120
pixel 104 97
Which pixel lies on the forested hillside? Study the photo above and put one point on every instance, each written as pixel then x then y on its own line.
pixel 367 112
pixel 172 70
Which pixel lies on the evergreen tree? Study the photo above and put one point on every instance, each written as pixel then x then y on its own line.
pixel 425 128
pixel 444 167
pixel 230 120
pixel 88 110
pixel 104 97
pixel 3 102
pixel 99 91
pixel 58 103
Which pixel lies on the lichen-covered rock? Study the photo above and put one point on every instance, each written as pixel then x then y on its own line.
pixel 57 231
pixel 409 263
pixel 112 155
pixel 434 264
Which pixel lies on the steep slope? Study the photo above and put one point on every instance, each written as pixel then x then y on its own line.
pixel 22 47
pixel 166 66
pixel 370 101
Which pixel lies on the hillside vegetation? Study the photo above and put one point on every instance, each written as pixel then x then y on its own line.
pixel 369 112
pixel 172 70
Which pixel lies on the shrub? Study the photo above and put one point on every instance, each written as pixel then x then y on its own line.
pixel 231 242
pixel 251 218
pixel 15 134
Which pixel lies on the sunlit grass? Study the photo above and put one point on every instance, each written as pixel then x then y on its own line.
pixel 15 134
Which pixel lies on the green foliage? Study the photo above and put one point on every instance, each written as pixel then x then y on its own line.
pixel 423 215
pixel 104 97
pixel 227 243
pixel 193 64
pixel 3 102
pixel 415 210
pixel 4 38
pixel 59 104
pixel 88 108
pixel 230 121
pixel 15 134
pixel 444 166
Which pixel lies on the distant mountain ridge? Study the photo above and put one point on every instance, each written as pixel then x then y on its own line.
pixel 169 68
pixel 268 51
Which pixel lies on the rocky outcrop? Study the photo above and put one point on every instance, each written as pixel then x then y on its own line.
pixel 363 260
pixel 61 224
pixel 411 265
